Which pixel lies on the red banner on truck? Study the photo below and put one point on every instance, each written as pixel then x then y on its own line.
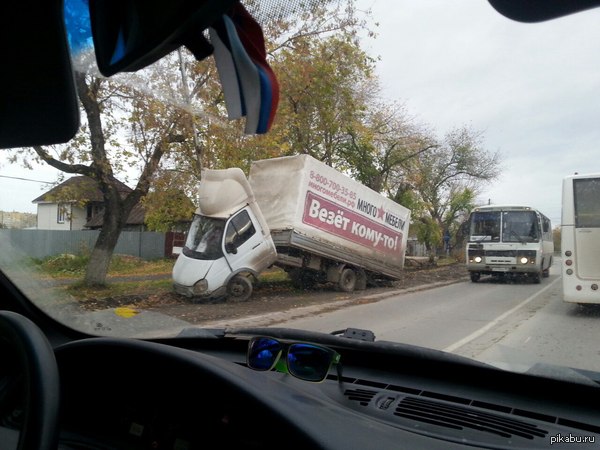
pixel 345 223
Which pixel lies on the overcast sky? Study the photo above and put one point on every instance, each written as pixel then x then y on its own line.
pixel 533 90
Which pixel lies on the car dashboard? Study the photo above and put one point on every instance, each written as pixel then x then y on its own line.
pixel 130 394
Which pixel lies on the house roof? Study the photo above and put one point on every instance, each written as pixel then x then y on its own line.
pixel 84 189
pixel 78 189
pixel 136 217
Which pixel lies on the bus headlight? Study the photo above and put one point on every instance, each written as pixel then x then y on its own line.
pixel 477 259
pixel 526 257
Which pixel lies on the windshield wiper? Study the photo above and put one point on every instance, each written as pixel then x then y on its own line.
pixel 518 236
pixel 478 239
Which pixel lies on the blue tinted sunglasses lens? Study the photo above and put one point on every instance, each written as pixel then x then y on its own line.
pixel 263 353
pixel 309 362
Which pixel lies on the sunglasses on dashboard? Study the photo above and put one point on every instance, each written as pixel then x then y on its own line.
pixel 303 360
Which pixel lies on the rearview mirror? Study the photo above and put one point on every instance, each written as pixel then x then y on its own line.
pixel 540 10
pixel 38 102
pixel 231 248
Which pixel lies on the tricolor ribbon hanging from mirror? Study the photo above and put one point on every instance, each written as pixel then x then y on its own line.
pixel 249 84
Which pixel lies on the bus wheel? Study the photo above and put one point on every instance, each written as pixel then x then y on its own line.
pixel 239 289
pixel 475 276
pixel 546 271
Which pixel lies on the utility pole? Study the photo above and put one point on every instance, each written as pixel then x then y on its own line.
pixel 188 101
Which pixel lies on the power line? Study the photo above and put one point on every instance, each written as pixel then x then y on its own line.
pixel 27 179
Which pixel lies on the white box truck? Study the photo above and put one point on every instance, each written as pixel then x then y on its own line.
pixel 293 212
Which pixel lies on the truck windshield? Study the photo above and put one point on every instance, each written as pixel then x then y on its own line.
pixel 205 238
pixel 520 226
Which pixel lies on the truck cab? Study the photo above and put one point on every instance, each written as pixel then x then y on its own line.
pixel 228 243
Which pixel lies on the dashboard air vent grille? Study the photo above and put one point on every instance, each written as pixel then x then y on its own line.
pixel 458 417
pixel 362 396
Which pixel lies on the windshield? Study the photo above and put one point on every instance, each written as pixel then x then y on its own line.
pixel 485 226
pixel 350 146
pixel 520 226
pixel 205 238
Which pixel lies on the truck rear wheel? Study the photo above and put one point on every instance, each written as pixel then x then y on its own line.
pixel 347 281
pixel 361 280
pixel 239 289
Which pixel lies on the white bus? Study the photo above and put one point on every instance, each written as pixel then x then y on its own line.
pixel 509 240
pixel 580 238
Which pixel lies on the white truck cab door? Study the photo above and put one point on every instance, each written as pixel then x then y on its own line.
pixel 245 246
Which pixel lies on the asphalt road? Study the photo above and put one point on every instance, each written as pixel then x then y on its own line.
pixel 435 318
pixel 508 324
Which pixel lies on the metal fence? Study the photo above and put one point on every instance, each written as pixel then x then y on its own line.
pixel 415 248
pixel 43 243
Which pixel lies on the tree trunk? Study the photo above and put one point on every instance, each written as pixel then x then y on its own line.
pixel 116 208
pixel 115 217
pixel 97 268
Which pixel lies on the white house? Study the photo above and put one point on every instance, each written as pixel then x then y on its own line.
pixel 75 204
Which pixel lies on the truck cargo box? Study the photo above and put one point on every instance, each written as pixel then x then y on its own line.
pixel 312 206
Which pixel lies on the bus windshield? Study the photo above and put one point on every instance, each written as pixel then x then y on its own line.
pixel 520 226
pixel 485 226
pixel 505 226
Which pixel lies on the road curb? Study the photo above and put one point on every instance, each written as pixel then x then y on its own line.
pixel 301 312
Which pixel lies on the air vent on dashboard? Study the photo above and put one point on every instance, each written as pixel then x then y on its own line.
pixel 459 417
pixel 362 396
pixel 446 414
pixel 375 388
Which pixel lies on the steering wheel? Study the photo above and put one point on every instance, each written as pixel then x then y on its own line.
pixel 23 345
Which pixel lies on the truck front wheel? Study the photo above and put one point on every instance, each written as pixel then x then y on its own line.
pixel 347 281
pixel 239 289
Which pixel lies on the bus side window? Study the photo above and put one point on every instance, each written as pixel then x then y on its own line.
pixel 546 225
